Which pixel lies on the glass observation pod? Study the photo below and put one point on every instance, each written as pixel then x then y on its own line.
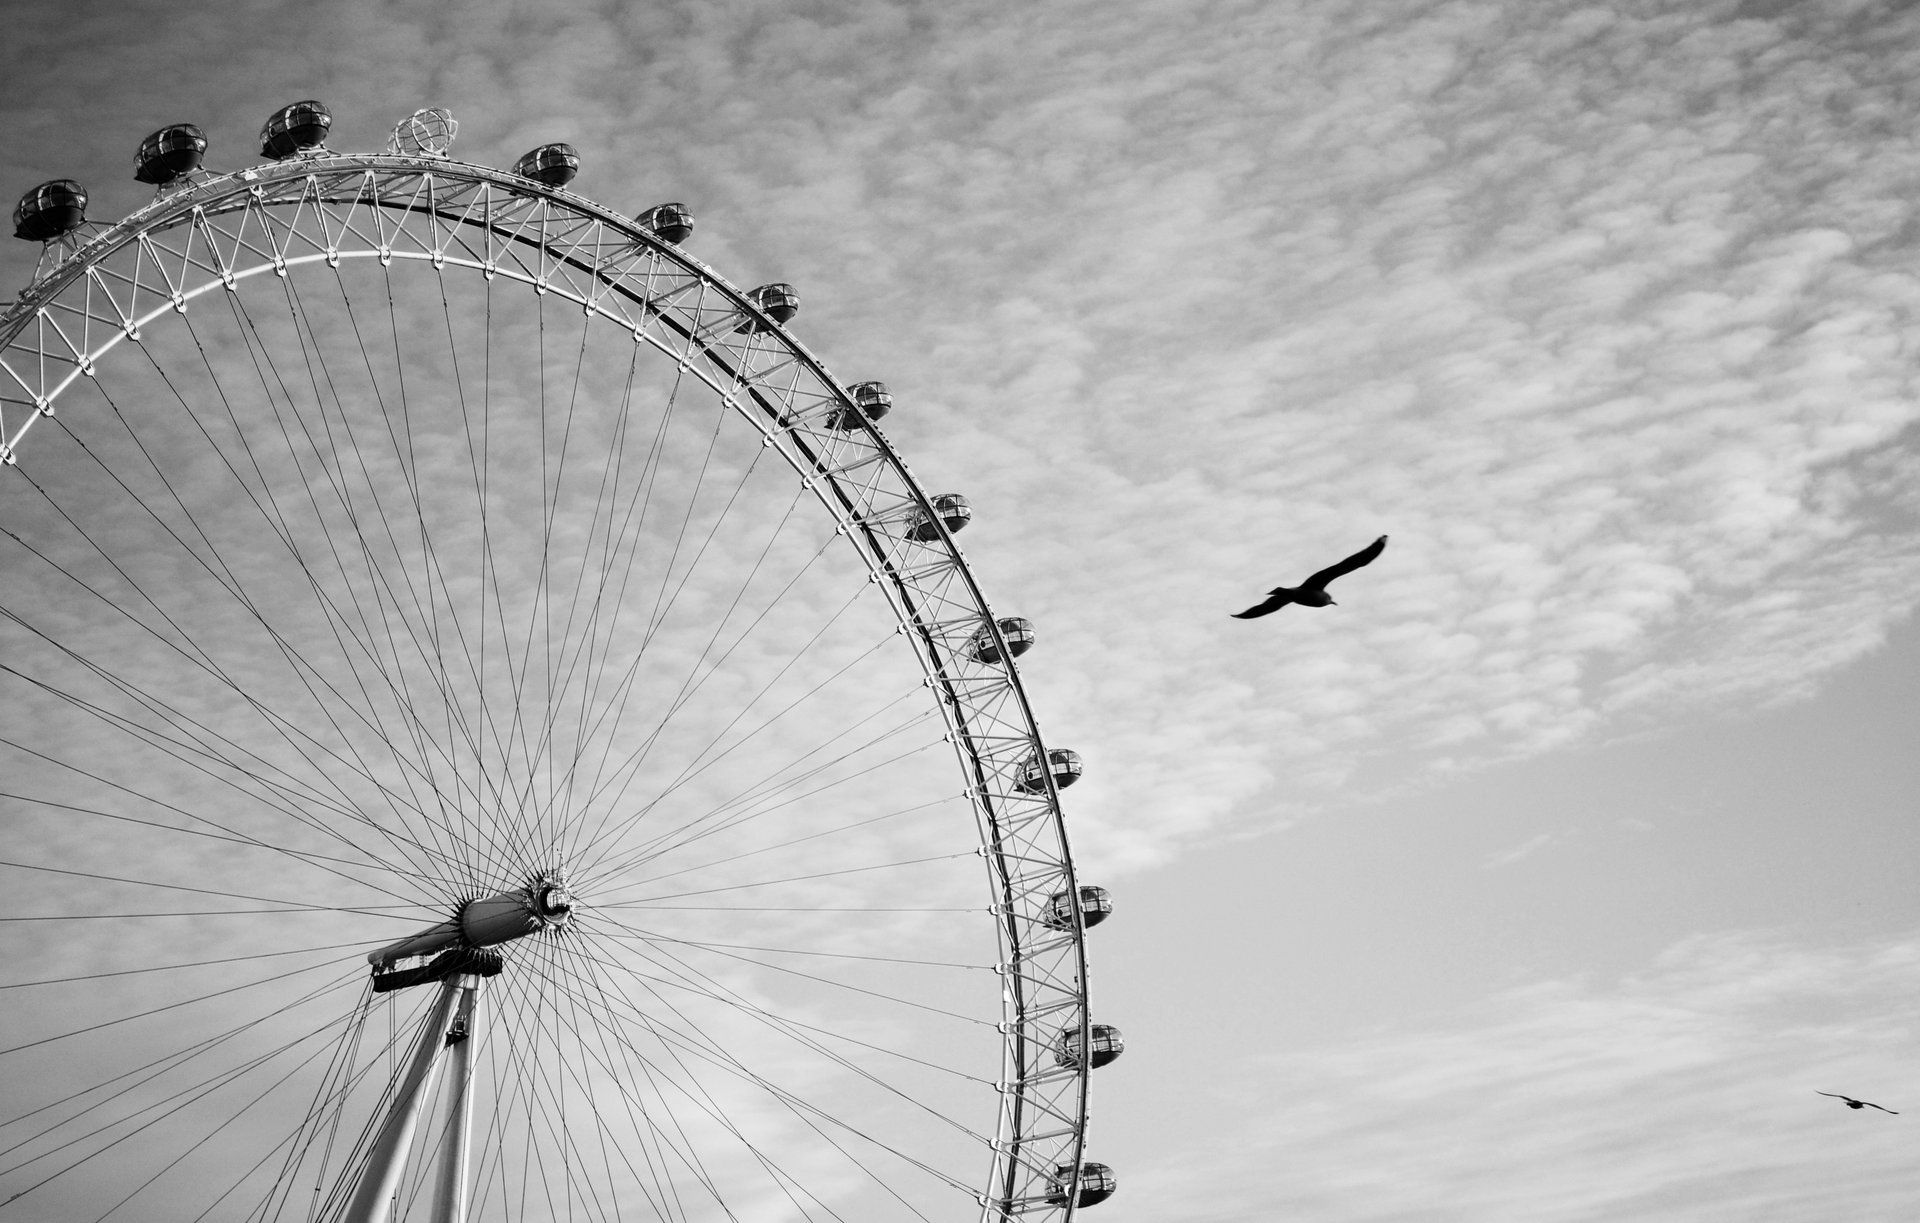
pixel 1104 1044
pixel 1063 763
pixel 482 463
pixel 170 154
pixel 871 401
pixel 668 222
pixel 51 210
pixel 295 129
pixel 953 510
pixel 1016 631
pixel 552 164
pixel 1097 1184
pixel 1096 905
pixel 777 301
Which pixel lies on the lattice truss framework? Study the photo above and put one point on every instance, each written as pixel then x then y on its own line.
pixel 261 221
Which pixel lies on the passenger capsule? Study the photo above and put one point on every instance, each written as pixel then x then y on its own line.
pixel 1016 631
pixel 1103 1042
pixel 1096 905
pixel 170 154
pixel 295 128
pixel 1097 1184
pixel 1064 765
pixel 51 210
pixel 552 164
pixel 953 511
pixel 668 222
pixel 778 301
pixel 870 400
pixel 424 133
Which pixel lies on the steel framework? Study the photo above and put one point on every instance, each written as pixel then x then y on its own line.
pixel 215 233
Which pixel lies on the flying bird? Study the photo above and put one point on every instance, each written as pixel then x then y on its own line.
pixel 1853 1103
pixel 1313 591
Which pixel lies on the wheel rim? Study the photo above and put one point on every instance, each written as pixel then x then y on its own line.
pixel 148 293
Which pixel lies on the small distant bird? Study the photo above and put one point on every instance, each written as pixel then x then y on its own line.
pixel 1313 591
pixel 1853 1103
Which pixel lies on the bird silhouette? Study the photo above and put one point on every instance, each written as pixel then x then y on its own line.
pixel 1313 591
pixel 1853 1103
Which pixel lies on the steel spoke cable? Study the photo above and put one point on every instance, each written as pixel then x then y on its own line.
pixel 561 1033
pixel 632 527
pixel 192 1093
pixel 765 883
pixel 326 862
pixel 632 937
pixel 689 685
pixel 158 1066
pixel 337 1076
pixel 764 806
pixel 724 1061
pixel 602 623
pixel 396 677
pixel 659 613
pixel 763 797
pixel 714 991
pixel 199 761
pixel 276 521
pixel 686 1149
pixel 195 731
pixel 171 1006
pixel 712 1107
pixel 258 348
pixel 730 859
pixel 707 986
pixel 629 768
pixel 404 453
pixel 128 972
pixel 608 1060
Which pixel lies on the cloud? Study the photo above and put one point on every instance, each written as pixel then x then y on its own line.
pixel 1684 1091
pixel 1601 315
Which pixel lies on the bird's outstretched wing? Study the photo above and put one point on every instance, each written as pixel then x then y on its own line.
pixel 1853 1103
pixel 1275 600
pixel 1364 556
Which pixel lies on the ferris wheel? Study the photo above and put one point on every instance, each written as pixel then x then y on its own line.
pixel 479 714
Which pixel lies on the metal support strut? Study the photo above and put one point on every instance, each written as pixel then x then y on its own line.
pixel 373 1199
pixel 460 967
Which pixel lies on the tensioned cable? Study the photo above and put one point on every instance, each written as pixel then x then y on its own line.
pixel 637 938
pixel 129 972
pixel 276 522
pixel 713 991
pixel 153 703
pixel 763 798
pixel 722 1060
pixel 686 1085
pixel 159 1066
pixel 689 686
pixel 697 765
pixel 779 1175
pixel 708 986
pixel 395 678
pixel 204 1088
pixel 258 348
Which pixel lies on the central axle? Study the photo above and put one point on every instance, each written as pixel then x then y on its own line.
pixel 459 943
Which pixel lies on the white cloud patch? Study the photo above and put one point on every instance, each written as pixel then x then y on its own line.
pixel 1601 315
pixel 1685 1091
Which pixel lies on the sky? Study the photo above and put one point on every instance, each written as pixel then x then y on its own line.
pixel 1549 874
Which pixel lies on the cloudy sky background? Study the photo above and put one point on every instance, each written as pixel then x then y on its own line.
pixel 1550 874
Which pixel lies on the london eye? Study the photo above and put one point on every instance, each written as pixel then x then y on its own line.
pixel 491 728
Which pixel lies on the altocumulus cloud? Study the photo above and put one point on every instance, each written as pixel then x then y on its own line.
pixel 1683 1092
pixel 1599 313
